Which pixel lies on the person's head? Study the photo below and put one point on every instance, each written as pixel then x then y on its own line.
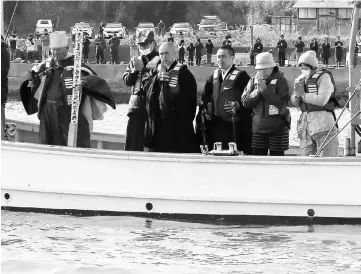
pixel 161 21
pixel 59 45
pixel 170 34
pixel 225 57
pixel 265 65
pixel 30 37
pixel 300 38
pixel 308 62
pixel 167 52
pixel 146 42
pixel 326 40
pixel 13 34
pixel 209 40
pixel 258 40
pixel 114 35
pixel 282 37
pixel 45 31
pixel 198 40
pixel 338 38
pixel 191 44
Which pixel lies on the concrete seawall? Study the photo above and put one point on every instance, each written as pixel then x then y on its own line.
pixel 113 75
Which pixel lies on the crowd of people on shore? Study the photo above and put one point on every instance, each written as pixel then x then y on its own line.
pixel 252 112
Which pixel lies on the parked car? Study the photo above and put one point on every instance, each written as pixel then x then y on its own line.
pixel 85 26
pixel 186 28
pixel 41 25
pixel 144 26
pixel 212 23
pixel 111 28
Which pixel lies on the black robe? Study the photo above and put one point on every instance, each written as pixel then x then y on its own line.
pixel 218 130
pixel 54 115
pixel 169 125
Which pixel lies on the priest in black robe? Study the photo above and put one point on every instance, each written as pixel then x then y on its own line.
pixel 171 104
pixel 216 108
pixel 48 92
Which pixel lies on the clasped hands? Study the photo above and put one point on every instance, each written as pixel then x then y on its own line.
pixel 260 83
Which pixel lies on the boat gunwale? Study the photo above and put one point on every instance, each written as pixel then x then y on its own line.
pixel 179 157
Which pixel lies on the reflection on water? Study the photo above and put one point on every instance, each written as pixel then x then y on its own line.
pixel 40 243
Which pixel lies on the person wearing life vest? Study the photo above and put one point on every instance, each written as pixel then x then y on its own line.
pixel 268 94
pixel 171 105
pixel 135 76
pixel 223 89
pixel 314 94
pixel 48 92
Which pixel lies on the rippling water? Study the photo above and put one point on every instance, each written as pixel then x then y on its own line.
pixel 41 243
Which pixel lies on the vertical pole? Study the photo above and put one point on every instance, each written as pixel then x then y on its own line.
pixel 73 126
pixel 3 19
pixel 351 47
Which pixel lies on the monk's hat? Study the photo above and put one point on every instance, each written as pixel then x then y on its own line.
pixel 308 58
pixel 145 37
pixel 264 60
pixel 58 39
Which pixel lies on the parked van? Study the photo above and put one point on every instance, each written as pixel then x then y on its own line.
pixel 41 25
pixel 212 23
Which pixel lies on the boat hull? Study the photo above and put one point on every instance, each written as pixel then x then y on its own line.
pixel 237 190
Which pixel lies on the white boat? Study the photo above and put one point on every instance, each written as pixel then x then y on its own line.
pixel 238 189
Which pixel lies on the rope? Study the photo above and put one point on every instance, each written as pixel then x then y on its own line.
pixel 329 132
pixel 12 16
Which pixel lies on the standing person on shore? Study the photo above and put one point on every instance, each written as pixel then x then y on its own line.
pixel 161 28
pixel 12 40
pixel 326 51
pixel 100 46
pixel 258 47
pixel 135 76
pixel 314 94
pixel 134 51
pixel 45 41
pixel 267 94
pixel 114 49
pixel 171 105
pixel 299 45
pixel 281 46
pixel 51 97
pixel 181 52
pixel 314 45
pixel 198 46
pixel 86 44
pixel 225 81
pixel 30 49
pixel 209 47
pixel 338 52
pixel 190 50
pixel 5 66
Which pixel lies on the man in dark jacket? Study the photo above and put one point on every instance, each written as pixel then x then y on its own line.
pixel 199 47
pixel 51 95
pixel 5 66
pixel 209 47
pixel 100 46
pixel 282 45
pixel 171 105
pixel 190 50
pixel 136 76
pixel 114 49
pixel 86 43
pixel 299 45
pixel 225 81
